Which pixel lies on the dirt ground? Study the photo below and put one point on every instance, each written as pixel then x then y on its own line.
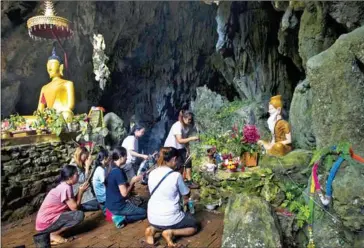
pixel 96 232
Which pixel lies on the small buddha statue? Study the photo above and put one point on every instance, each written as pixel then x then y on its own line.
pixel 59 94
pixel 281 142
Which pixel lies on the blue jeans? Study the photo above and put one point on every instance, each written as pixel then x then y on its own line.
pixel 131 212
pixel 92 205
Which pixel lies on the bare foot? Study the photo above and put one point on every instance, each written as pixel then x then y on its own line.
pixel 168 236
pixel 149 235
pixel 56 238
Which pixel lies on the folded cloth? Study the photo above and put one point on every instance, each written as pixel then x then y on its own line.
pixel 118 220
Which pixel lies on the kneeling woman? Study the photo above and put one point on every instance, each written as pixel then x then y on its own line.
pixel 164 211
pixel 59 210
pixel 118 189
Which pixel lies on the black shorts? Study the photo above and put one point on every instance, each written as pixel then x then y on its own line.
pixel 182 159
pixel 187 221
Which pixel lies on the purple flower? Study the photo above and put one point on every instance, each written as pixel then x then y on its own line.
pixel 251 134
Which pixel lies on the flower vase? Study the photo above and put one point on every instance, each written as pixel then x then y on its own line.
pixel 250 159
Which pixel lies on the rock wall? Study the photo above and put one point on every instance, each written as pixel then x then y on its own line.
pixel 250 222
pixel 28 172
pixel 158 54
pixel 336 77
pixel 247 51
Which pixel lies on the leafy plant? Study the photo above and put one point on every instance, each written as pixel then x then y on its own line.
pixel 17 122
pixel 295 203
pixel 50 119
pixel 87 131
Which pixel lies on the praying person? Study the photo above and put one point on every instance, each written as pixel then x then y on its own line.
pixel 164 211
pixel 98 179
pixel 60 208
pixel 118 189
pixel 82 160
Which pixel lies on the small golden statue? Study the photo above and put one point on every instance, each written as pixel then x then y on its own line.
pixel 280 129
pixel 59 93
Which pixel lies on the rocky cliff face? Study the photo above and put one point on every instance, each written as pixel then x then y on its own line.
pixel 247 51
pixel 161 51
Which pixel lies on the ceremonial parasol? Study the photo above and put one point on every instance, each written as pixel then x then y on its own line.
pixel 50 27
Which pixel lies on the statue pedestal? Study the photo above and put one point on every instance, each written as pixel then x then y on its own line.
pixel 36 139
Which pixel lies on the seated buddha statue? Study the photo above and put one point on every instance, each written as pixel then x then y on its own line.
pixel 58 94
pixel 281 142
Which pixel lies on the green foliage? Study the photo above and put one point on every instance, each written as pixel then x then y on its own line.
pixel 342 148
pixel 87 131
pixel 79 118
pixel 196 176
pixel 295 202
pixel 226 111
pixel 16 122
pixel 251 148
pixel 49 118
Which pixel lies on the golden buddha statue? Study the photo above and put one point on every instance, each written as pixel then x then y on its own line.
pixel 280 129
pixel 59 94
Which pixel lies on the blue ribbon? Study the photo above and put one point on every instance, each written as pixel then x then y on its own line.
pixel 332 174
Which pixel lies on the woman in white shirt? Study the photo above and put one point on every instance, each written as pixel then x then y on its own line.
pixel 164 210
pixel 131 145
pixel 178 138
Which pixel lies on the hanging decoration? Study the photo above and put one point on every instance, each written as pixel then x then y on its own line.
pixel 50 27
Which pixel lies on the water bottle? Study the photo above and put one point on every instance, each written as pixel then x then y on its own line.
pixel 191 206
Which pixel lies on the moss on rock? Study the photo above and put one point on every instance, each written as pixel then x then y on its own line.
pixel 293 165
pixel 300 117
pixel 337 81
pixel 314 35
pixel 250 222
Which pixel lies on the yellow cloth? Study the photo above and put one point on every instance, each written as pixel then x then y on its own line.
pixel 280 130
pixel 276 101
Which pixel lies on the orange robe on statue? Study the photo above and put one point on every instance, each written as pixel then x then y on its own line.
pixel 281 128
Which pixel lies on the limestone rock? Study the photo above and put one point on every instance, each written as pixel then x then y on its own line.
pixel 10 96
pixel 314 35
pixel 348 196
pixel 116 128
pixel 294 165
pixel 300 117
pixel 328 234
pixel 246 60
pixel 336 77
pixel 359 241
pixel 348 13
pixel 250 222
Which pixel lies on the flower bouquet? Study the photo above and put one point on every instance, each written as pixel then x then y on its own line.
pixel 249 146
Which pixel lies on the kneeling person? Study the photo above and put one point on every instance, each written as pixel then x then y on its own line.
pixel 164 211
pixel 118 189
pixel 59 210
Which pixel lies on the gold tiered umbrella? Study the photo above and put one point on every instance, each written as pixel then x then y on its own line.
pixel 49 26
